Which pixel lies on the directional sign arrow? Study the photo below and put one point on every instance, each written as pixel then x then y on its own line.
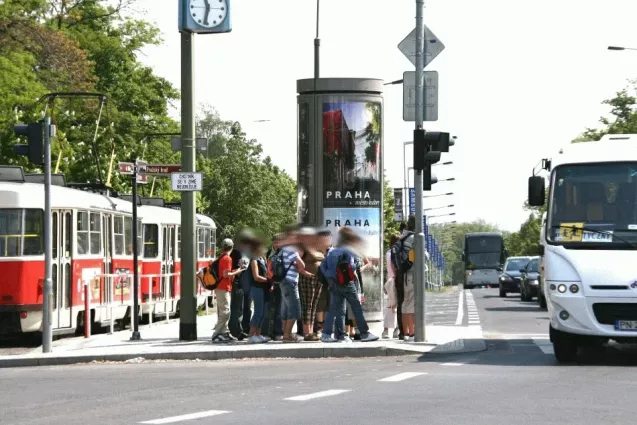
pixel 433 46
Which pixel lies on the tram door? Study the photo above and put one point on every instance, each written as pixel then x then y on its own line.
pixel 168 260
pixel 62 230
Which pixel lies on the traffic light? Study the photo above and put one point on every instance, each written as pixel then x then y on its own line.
pixel 34 149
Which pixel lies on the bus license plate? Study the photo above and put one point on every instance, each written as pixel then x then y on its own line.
pixel 626 325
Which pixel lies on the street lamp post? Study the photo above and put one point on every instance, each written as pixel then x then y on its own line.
pixel 439 208
pixel 621 48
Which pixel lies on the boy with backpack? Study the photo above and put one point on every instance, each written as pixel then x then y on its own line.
pixel 339 269
pixel 222 268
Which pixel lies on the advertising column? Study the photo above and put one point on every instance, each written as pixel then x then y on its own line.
pixel 352 182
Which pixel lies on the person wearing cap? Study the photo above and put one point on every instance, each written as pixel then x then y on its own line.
pixel 221 332
pixel 339 268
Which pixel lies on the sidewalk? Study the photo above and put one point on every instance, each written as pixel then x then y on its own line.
pixel 161 342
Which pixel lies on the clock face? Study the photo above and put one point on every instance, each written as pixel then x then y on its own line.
pixel 208 13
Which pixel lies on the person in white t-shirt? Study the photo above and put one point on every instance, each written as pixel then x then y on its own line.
pixel 391 302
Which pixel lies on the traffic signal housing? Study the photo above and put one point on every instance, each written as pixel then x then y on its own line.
pixel 34 149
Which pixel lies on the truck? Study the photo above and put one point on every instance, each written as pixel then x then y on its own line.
pixel 588 243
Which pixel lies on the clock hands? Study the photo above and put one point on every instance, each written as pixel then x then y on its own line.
pixel 205 18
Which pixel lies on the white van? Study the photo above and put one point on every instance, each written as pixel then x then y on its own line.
pixel 589 243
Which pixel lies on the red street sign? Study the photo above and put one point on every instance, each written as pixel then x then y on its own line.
pixel 160 169
pixel 126 168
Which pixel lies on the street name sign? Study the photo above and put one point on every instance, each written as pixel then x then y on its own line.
pixel 186 182
pixel 430 98
pixel 433 47
pixel 159 169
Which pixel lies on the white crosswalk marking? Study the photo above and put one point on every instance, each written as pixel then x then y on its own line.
pixel 472 309
pixel 317 395
pixel 401 376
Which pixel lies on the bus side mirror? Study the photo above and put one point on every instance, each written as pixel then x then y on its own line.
pixel 536 191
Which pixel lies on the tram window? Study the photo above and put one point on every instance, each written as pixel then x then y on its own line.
pixel 201 241
pixel 33 232
pixel 213 243
pixel 151 247
pixel 96 233
pixel 140 238
pixel 178 241
pixel 68 241
pixel 119 235
pixel 128 235
pixel 82 232
pixel 55 234
pixel 207 253
pixel 10 232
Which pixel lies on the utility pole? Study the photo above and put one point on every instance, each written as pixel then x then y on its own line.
pixel 188 303
pixel 419 264
pixel 136 336
pixel 47 323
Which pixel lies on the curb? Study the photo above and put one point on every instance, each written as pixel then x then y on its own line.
pixel 455 347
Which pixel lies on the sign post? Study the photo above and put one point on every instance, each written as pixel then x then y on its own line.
pixel 421 46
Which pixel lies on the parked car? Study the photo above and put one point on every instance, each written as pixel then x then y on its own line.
pixel 529 287
pixel 511 278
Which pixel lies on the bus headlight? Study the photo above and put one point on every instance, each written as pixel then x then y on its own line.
pixel 562 288
pixel 574 288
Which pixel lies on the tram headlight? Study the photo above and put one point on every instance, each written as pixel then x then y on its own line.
pixel 574 288
pixel 562 288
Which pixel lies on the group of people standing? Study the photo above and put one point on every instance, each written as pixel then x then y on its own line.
pixel 302 280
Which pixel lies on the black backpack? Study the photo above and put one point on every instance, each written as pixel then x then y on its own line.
pixel 402 253
pixel 277 264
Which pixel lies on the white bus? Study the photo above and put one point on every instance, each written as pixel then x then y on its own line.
pixel 589 243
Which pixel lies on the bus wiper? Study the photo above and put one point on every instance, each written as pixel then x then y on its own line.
pixel 575 229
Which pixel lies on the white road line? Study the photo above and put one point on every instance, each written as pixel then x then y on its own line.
pixel 401 376
pixel 452 364
pixel 460 308
pixel 316 395
pixel 188 417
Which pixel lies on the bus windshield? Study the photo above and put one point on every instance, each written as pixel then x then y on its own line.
pixel 597 197
pixel 483 252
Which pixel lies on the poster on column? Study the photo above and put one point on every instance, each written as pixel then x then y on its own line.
pixel 352 183
pixel 351 154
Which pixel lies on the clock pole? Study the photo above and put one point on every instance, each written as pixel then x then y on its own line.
pixel 188 302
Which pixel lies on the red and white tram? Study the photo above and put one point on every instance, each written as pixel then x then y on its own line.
pixel 92 243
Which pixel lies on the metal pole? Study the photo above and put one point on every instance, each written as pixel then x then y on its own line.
pixel 47 300
pixel 136 335
pixel 419 269
pixel 317 44
pixel 188 302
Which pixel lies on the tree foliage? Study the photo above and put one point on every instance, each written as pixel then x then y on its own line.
pixel 92 46
pixel 623 118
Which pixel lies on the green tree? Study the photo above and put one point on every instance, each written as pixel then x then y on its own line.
pixel 389 221
pixel 241 188
pixel 623 118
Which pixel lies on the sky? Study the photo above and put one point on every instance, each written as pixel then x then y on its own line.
pixel 518 79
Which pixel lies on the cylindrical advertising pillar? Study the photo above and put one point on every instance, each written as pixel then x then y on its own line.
pixel 340 167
